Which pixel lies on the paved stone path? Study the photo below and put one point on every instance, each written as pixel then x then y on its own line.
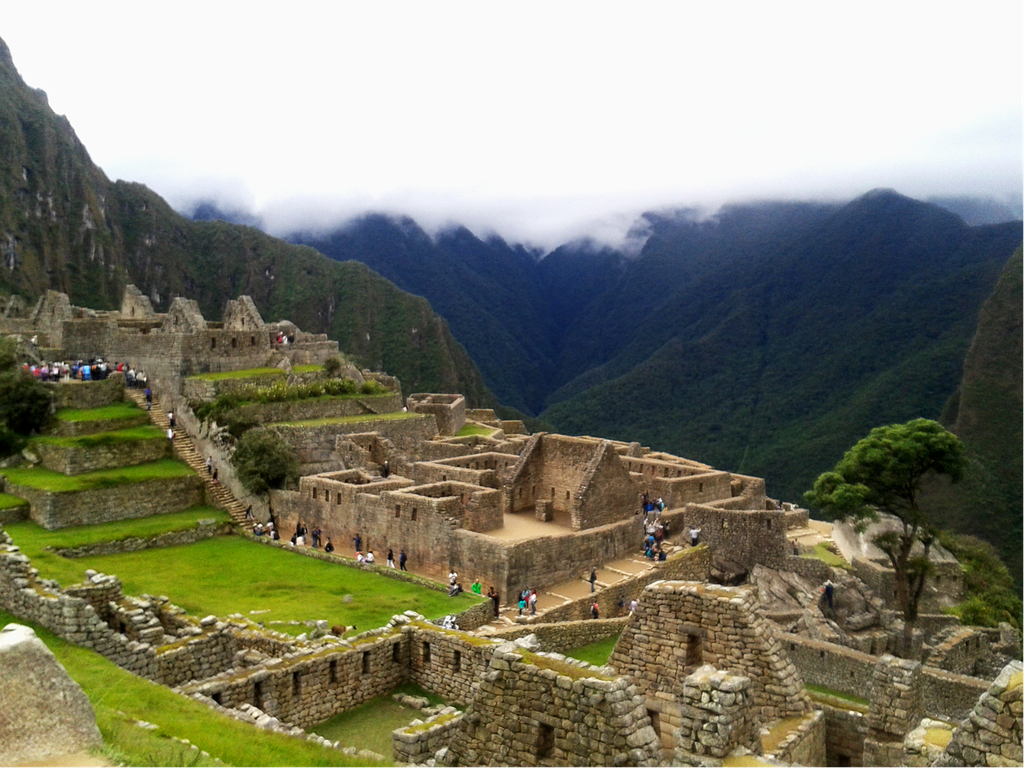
pixel 186 451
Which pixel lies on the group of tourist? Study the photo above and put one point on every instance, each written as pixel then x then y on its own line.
pixel 94 369
pixel 369 557
pixel 528 599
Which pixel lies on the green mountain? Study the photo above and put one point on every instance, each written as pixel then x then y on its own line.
pixel 986 414
pixel 65 226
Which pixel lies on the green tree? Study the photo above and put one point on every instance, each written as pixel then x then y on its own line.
pixel 263 460
pixel 24 401
pixel 883 473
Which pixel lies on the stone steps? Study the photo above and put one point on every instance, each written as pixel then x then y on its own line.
pixel 186 451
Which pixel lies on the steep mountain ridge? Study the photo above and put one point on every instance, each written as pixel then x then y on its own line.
pixel 65 226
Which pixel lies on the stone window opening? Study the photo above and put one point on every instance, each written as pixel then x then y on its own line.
pixel 567 496
pixel 655 721
pixel 333 670
pixel 366 662
pixel 296 684
pixel 213 342
pixel 257 695
pixel 457 661
pixel 426 653
pixel 545 740
pixel 444 478
pixel 693 650
pixel 234 343
pixel 337 498
pixel 396 652
pixel 552 493
pixel 700 487
pixel 327 496
pixel 398 511
pixel 218 697
pixel 769 524
pixel 314 494
pixel 252 341
pixel 414 513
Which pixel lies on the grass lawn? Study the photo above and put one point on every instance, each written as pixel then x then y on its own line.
pixel 119 698
pixel 369 725
pixel 395 416
pixel 144 432
pixel 115 411
pixel 230 574
pixel 469 430
pixel 34 540
pixel 596 653
pixel 48 480
pixel 10 502
pixel 823 553
pixel 246 374
pixel 306 368
pixel 822 691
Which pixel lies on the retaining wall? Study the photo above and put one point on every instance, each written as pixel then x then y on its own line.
pixel 77 460
pixel 103 505
pixel 88 394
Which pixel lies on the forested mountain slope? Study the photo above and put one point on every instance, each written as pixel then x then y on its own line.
pixel 64 225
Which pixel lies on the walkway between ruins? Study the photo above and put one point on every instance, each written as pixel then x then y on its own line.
pixel 185 450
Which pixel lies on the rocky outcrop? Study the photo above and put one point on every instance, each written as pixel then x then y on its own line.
pixel 44 713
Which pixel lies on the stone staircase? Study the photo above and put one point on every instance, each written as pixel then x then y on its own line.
pixel 185 450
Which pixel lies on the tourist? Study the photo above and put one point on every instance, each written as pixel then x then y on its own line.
pixel 532 600
pixel 593 578
pixel 829 590
pixel 209 465
pixel 257 529
pixel 170 418
pixel 317 536
pixel 369 557
pixel 385 469
pixel 522 603
pixel 216 481
pixel 149 393
pixel 452 577
pixel 633 605
pixel 476 587
pixel 622 605
pixel 662 556
pixel 391 558
pixel 455 589
pixel 595 611
pixel 359 557
pixel 402 560
pixel 248 513
pixel 694 536
pixel 329 547
pixel 358 541
pixel 495 599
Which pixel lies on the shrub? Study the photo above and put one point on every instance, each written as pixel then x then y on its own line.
pixel 332 366
pixel 263 461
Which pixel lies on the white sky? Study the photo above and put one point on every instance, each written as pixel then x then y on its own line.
pixel 538 120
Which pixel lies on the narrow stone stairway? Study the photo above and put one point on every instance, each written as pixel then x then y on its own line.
pixel 185 450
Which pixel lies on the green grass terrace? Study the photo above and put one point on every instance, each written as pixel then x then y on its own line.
pixel 395 416
pixel 252 373
pixel 104 413
pixel 54 482
pixel 231 574
pixel 146 432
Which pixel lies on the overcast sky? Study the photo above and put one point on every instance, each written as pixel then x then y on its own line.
pixel 540 121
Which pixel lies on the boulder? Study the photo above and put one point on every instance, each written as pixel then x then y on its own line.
pixel 45 714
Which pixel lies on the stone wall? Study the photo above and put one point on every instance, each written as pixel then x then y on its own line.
pixel 103 505
pixel 581 476
pixel 447 662
pixel 991 734
pixel 96 426
pixel 77 460
pixel 418 743
pixel 562 637
pixel 531 709
pixel 944 695
pixel 449 411
pixel 405 434
pixel 88 394
pixel 203 530
pixel 748 537
pixel 844 735
pixel 680 626
pixel 965 651
pixel 318 408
